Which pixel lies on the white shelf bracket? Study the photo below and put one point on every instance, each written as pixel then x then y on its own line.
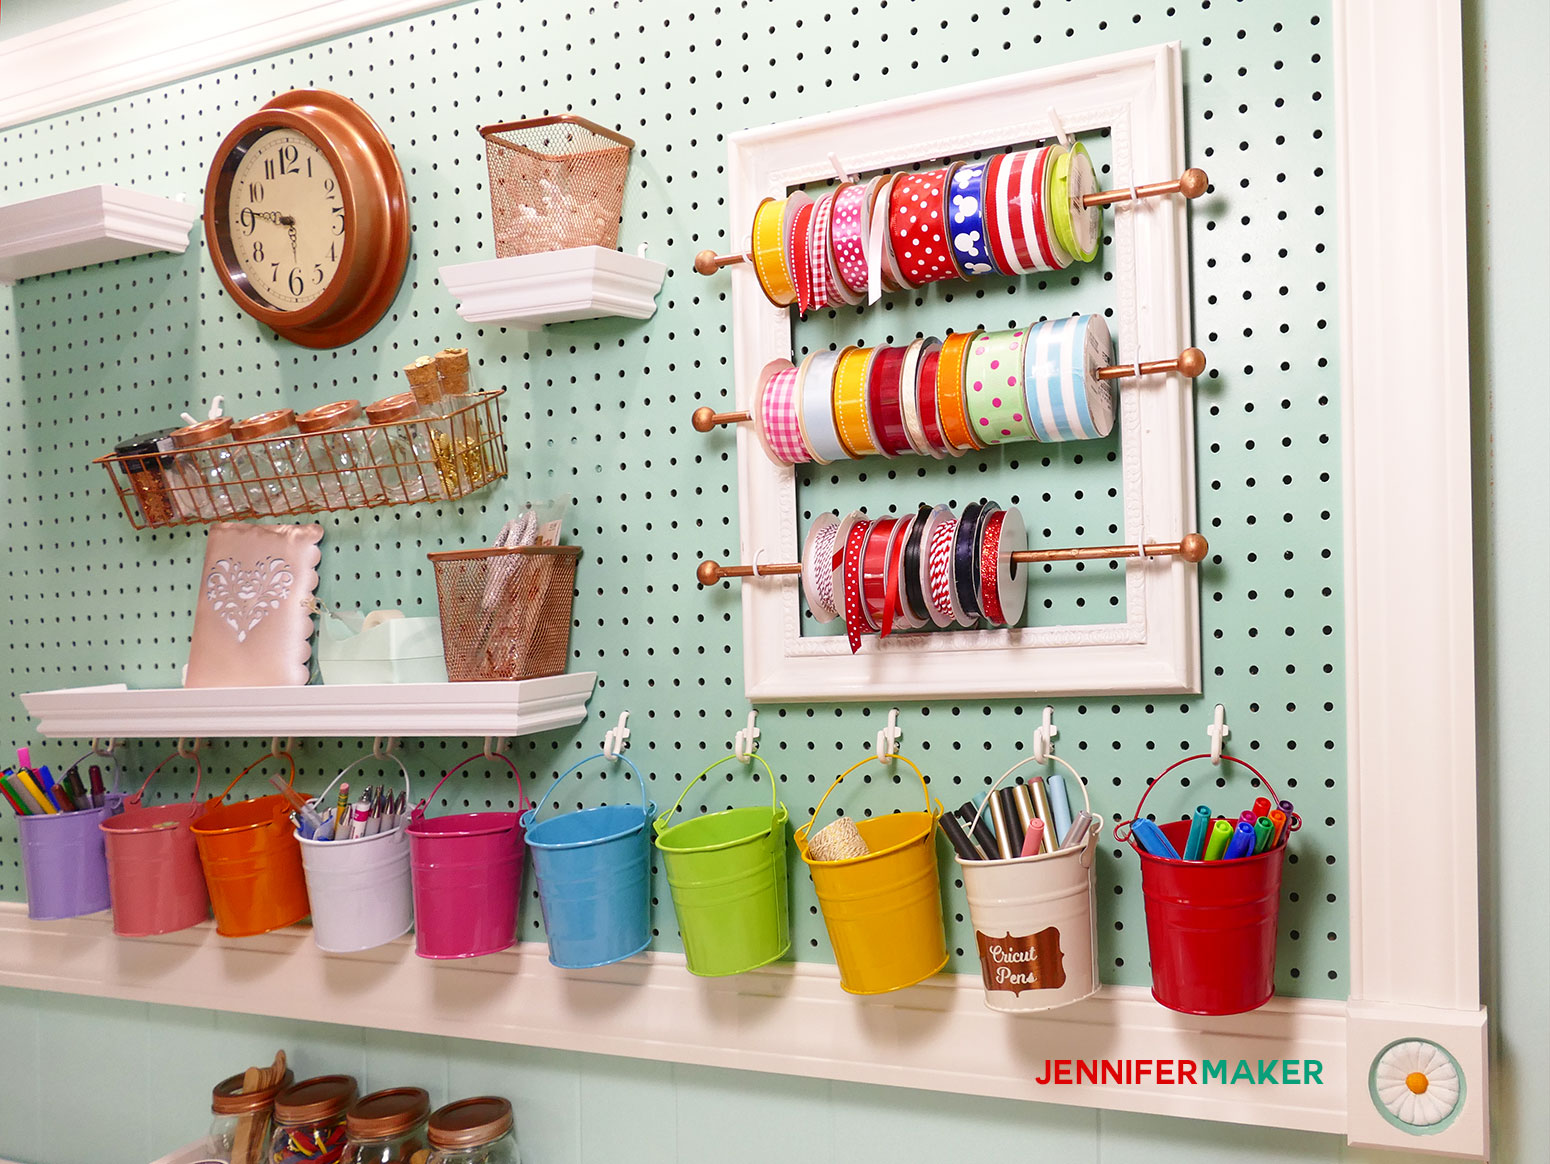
pixel 746 742
pixel 888 739
pixel 1218 731
pixel 1044 737
pixel 617 738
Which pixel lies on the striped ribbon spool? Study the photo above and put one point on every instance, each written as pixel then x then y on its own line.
pixel 993 376
pixel 940 567
pixel 815 388
pixel 851 379
pixel 1066 400
pixel 771 263
pixel 779 427
pixel 818 568
pixel 1038 217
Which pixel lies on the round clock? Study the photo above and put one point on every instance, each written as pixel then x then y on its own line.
pixel 307 218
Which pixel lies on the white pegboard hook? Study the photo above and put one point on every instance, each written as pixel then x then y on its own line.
pixel 187 748
pixel 746 742
pixel 888 738
pixel 1059 127
pixel 494 745
pixel 1044 737
pixel 839 169
pixel 1218 731
pixel 382 746
pixel 617 738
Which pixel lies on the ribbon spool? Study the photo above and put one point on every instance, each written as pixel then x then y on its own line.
pixel 1066 400
pixel 1038 214
pixel 770 262
pixel 909 400
pixel 993 389
pixel 966 220
pixel 775 414
pixel 817 567
pixel 951 410
pixel 916 228
pixel 852 378
pixel 1003 584
pixel 1079 228
pixel 815 393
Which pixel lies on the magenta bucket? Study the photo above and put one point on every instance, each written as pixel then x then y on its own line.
pixel 466 872
pixel 154 876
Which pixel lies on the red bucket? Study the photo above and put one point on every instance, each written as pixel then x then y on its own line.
pixel 154 877
pixel 1210 925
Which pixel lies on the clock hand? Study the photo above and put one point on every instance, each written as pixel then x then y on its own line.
pixel 290 228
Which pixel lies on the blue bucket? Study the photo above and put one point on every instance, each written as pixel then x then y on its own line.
pixel 594 877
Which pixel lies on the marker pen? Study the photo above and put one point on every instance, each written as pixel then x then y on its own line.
pixel 1059 802
pixel 99 792
pixel 1199 829
pixel 1262 807
pixel 359 817
pixel 1033 840
pixel 1151 839
pixel 1242 843
pixel 1216 843
pixel 45 803
pixel 1263 831
pixel 1080 827
pixel 1278 820
pixel 996 808
pixel 983 836
pixel 24 757
pixel 1014 824
pixel 962 844
pixel 1041 810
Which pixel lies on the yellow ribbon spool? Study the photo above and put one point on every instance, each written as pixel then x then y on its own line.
pixel 769 253
pixel 949 390
pixel 851 417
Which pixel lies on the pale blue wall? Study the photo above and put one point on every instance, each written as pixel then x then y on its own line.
pixel 142 1072
pixel 22 16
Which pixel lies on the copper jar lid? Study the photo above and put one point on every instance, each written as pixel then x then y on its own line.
pixel 202 433
pixel 314 1100
pixel 340 414
pixel 470 1123
pixel 264 424
pixel 384 1115
pixel 391 409
pixel 228 1098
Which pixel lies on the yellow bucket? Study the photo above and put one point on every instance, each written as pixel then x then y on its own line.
pixel 883 910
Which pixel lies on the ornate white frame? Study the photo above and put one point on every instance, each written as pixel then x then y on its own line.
pixel 1412 814
pixel 1138 95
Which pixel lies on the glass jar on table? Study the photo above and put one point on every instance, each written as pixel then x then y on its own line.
pixel 473 1131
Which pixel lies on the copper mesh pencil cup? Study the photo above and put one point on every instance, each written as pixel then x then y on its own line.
pixel 506 613
pixel 555 183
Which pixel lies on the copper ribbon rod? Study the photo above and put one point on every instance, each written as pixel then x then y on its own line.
pixel 1191 361
pixel 1191 183
pixel 1191 547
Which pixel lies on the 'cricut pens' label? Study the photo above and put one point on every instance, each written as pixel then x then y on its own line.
pixel 1022 963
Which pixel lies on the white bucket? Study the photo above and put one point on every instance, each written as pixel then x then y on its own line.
pixel 360 890
pixel 1035 923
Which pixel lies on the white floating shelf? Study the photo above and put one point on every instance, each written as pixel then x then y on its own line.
pixel 528 291
pixel 95 224
pixel 396 709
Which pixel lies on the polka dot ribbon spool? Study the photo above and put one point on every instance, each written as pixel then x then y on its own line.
pixel 855 619
pixel 916 228
pixel 770 257
pixel 778 425
pixel 993 391
pixel 818 567
pixel 950 386
pixel 1078 228
pixel 966 225
pixel 1066 400
pixel 852 224
pixel 1003 585
pixel 815 389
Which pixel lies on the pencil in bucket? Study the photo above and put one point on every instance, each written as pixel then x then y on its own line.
pixel 64 859
pixel 1034 917
pixel 1210 923
pixel 727 874
pixel 467 875
pixel 154 875
pixel 878 891
pixel 593 867
pixel 251 860
pixel 359 887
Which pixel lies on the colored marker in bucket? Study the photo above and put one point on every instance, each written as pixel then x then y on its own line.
pixel 64 857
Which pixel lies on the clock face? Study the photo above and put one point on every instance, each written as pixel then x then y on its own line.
pixel 286 219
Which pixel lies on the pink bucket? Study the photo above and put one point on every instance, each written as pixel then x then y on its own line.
pixel 154 876
pixel 467 876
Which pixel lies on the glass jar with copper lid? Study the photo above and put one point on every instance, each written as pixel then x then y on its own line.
pixel 309 1121
pixel 205 483
pixel 269 463
pixel 473 1131
pixel 387 1127
pixel 239 1129
pixel 401 448
pixel 340 455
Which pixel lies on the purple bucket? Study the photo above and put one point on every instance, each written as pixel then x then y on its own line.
pixel 66 862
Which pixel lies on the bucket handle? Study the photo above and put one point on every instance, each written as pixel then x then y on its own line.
pixel 926 788
pixel 321 797
pixel 1080 783
pixel 419 809
pixel 560 779
pixel 1291 826
pixel 286 756
pixel 199 772
pixel 661 822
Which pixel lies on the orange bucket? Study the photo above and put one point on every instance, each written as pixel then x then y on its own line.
pixel 883 910
pixel 252 860
pixel 154 878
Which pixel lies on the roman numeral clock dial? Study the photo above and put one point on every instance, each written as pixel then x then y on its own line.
pixel 307 218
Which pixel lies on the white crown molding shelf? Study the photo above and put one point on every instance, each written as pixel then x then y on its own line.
pixel 516 708
pixel 528 291
pixel 95 224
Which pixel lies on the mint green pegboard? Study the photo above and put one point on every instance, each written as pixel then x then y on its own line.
pixel 600 410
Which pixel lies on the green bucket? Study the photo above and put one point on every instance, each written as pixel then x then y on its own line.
pixel 727 872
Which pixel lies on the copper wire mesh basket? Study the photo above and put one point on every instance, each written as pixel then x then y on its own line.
pixel 505 613
pixel 555 183
pixel 407 462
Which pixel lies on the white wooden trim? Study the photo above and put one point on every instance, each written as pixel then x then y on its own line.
pixel 791 1019
pixel 1409 623
pixel 92 224
pixel 144 43
pixel 1139 96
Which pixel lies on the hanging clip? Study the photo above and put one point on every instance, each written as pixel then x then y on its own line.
pixel 888 738
pixel 493 746
pixel 98 750
pixel 746 742
pixel 381 750
pixel 276 750
pixel 187 748
pixel 1059 127
pixel 1044 738
pixel 1218 731
pixel 617 738
pixel 839 170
